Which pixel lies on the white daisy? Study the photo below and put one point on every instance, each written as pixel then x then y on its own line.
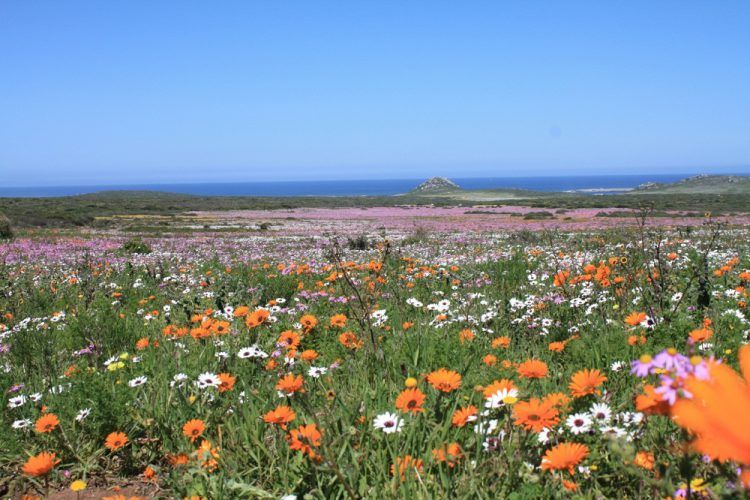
pixel 600 412
pixel 316 371
pixel 21 424
pixel 83 414
pixel 207 379
pixel 579 423
pixel 138 381
pixel 388 423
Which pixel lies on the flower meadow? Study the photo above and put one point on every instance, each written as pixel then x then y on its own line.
pixel 503 364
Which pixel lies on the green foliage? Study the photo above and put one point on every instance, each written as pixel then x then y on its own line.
pixel 136 245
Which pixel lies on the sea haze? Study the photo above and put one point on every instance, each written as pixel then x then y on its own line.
pixel 598 184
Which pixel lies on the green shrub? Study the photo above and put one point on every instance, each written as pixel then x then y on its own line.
pixel 6 231
pixel 135 245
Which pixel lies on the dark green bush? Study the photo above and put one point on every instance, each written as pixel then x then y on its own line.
pixel 135 245
pixel 6 231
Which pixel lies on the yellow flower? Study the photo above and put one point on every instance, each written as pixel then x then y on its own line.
pixel 78 485
pixel 124 356
pixel 410 382
pixel 116 366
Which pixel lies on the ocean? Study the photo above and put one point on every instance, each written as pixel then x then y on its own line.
pixel 593 184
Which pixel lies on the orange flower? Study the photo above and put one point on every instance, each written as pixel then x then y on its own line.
pixel 350 340
pixel 585 382
pixel 406 325
pixel 497 386
pixel 466 335
pixel 40 465
pixel 410 400
pixel 116 440
pixel 650 402
pixel 644 459
pixel 142 343
pixel 444 380
pixel 490 360
pixel 701 335
pixel 501 342
pixel 289 383
pixel 241 312
pixel 226 382
pixel 717 413
pixel 257 318
pixel 558 399
pixel 464 415
pixel 535 415
pixel 406 464
pixel 289 339
pixel 533 368
pixel 449 454
pixel 304 439
pixel 193 429
pixel 564 456
pixel 557 346
pixel 308 322
pixel 47 423
pixel 635 318
pixel 281 415
pixel 338 321
pixel 308 355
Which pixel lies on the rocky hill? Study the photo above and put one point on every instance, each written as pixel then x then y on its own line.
pixel 435 185
pixel 703 183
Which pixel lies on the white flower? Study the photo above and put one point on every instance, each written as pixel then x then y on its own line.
pixel 316 371
pixel 487 427
pixel 388 423
pixel 543 436
pixel 207 379
pixel 83 414
pixel 579 423
pixel 617 366
pixel 16 401
pixel 138 381
pixel 251 352
pixel 501 397
pixel 600 412
pixel 20 424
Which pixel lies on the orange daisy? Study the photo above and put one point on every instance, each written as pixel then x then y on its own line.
pixel 226 382
pixel 462 416
pixel 410 400
pixel 40 465
pixel 281 415
pixel 585 382
pixel 533 368
pixel 116 440
pixel 47 423
pixel 290 383
pixel 564 456
pixel 444 380
pixel 193 429
pixel 304 439
pixel 535 415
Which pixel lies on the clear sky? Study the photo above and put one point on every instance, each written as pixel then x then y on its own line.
pixel 157 91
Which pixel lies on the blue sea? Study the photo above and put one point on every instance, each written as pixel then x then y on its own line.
pixel 592 184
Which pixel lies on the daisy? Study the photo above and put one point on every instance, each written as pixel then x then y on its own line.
pixel 579 423
pixel 16 401
pixel 21 424
pixel 600 412
pixel 317 371
pixel 138 381
pixel 207 379
pixel 251 352
pixel 388 423
pixel 83 414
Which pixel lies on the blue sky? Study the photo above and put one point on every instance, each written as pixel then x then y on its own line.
pixel 137 92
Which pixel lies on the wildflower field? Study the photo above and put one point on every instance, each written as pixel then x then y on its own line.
pixel 471 362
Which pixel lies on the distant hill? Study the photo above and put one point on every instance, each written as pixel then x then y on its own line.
pixel 699 184
pixel 436 185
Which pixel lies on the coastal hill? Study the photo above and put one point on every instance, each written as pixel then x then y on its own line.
pixel 703 184
pixel 435 185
